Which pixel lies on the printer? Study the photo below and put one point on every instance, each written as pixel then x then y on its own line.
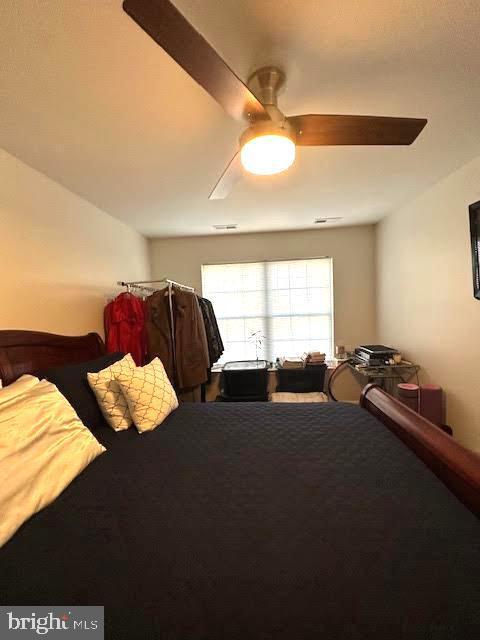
pixel 373 355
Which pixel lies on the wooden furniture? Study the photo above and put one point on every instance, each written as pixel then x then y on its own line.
pixel 459 469
pixel 34 352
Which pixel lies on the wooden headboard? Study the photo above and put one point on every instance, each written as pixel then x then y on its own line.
pixel 34 352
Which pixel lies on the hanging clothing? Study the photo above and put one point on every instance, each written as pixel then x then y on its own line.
pixel 191 395
pixel 176 334
pixel 125 326
pixel 214 339
pixel 158 331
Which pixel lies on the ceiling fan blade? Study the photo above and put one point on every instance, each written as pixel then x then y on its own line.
pixel 167 26
pixel 228 179
pixel 314 129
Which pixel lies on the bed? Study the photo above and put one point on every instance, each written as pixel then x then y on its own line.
pixel 257 520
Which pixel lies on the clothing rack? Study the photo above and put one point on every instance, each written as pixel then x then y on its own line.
pixel 178 328
pixel 139 287
pixel 139 284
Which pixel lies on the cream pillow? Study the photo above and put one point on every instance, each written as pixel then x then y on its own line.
pixel 149 394
pixel 287 396
pixel 23 384
pixel 109 396
pixel 43 447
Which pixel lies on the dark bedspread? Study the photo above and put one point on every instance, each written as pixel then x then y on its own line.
pixel 256 521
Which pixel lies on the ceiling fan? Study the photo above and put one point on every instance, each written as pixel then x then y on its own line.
pixel 268 144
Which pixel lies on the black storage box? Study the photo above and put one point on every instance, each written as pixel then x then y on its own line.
pixel 301 380
pixel 244 381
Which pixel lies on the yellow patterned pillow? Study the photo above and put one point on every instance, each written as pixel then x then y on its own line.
pixel 149 394
pixel 110 398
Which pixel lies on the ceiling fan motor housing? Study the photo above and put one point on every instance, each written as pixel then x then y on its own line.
pixel 267 128
pixel 266 83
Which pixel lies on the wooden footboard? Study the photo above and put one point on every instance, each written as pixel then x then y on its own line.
pixel 457 467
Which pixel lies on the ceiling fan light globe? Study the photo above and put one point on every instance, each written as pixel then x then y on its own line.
pixel 266 155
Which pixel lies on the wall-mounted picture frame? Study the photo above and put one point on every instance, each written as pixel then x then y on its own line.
pixel 474 212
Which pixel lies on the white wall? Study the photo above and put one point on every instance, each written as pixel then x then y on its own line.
pixel 351 248
pixel 425 297
pixel 60 255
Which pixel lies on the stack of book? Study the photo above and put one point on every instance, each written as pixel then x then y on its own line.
pixel 291 363
pixel 314 358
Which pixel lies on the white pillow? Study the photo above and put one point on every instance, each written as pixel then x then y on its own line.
pixel 23 384
pixel 43 447
pixel 150 395
pixel 110 398
pixel 287 396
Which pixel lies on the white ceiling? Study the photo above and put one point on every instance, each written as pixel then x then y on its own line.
pixel 90 100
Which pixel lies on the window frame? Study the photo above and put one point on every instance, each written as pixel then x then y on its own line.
pixel 267 317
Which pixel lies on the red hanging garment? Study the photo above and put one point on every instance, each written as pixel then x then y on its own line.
pixel 125 326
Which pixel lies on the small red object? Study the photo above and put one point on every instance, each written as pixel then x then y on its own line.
pixel 408 394
pixel 430 404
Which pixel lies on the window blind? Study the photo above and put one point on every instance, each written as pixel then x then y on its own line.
pixel 287 304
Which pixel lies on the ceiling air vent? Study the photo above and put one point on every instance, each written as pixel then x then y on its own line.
pixel 323 220
pixel 223 227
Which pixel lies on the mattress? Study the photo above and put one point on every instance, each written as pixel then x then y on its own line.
pixel 255 521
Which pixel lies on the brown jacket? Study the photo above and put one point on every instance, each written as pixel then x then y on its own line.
pixel 187 364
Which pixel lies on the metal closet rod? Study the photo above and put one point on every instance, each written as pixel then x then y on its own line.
pixel 167 280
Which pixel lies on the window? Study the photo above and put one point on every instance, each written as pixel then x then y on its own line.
pixel 288 304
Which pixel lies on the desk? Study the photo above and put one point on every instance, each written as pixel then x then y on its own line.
pixel 347 387
pixel 386 376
